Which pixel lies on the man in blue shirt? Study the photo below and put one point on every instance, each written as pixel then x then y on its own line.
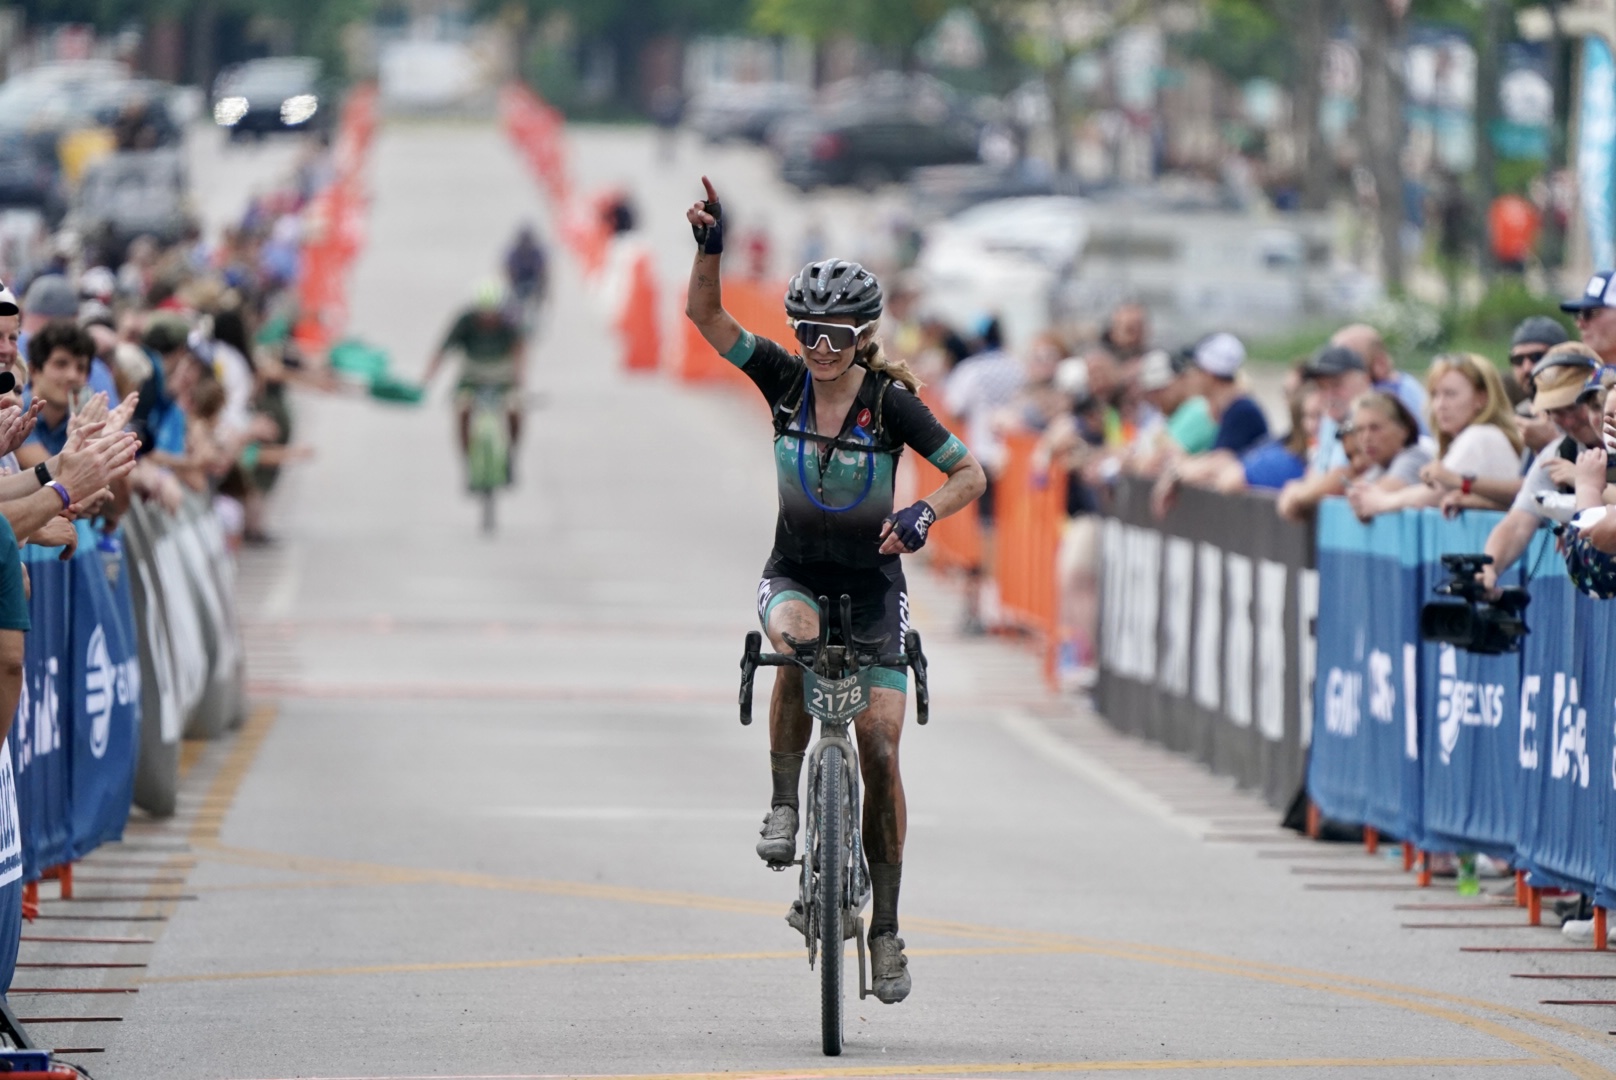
pixel 1217 360
pixel 1341 375
pixel 1366 341
pixel 58 367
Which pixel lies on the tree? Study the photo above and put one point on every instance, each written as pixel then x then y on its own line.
pixel 899 25
pixel 1380 28
pixel 1051 34
pixel 623 26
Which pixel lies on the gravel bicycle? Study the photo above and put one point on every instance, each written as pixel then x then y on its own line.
pixel 835 881
pixel 488 450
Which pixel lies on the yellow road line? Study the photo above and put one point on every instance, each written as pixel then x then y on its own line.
pixel 973 1068
pixel 554 961
pixel 222 791
pixel 1159 1065
pixel 1407 998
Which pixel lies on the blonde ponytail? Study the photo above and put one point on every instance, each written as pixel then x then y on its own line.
pixel 875 358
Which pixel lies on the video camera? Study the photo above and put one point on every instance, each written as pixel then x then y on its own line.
pixel 1470 619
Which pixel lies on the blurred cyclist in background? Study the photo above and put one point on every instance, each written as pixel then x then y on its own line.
pixel 527 272
pixel 490 343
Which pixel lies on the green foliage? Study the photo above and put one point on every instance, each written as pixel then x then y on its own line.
pixel 896 23
pixel 1244 39
pixel 1505 304
pixel 598 19
pixel 1415 332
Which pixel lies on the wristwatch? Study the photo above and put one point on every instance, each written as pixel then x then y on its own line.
pixel 42 474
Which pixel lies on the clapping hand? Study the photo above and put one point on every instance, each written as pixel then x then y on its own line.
pixel 1590 470
pixel 16 425
pixel 57 532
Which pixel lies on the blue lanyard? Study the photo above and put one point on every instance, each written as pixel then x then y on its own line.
pixel 802 468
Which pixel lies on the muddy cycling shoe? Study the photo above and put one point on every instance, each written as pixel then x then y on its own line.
pixel 889 969
pixel 779 844
pixel 799 922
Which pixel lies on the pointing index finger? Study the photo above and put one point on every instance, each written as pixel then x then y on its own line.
pixel 712 196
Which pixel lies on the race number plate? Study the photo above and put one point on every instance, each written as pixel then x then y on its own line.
pixel 835 701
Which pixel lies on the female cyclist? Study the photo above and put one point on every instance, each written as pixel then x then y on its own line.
pixel 843 413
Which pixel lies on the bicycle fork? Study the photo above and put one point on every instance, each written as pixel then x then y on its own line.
pixel 858 877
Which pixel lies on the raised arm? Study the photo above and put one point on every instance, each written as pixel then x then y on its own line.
pixel 704 302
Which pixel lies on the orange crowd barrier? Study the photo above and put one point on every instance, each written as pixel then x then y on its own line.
pixel 756 305
pixel 1029 514
pixel 954 543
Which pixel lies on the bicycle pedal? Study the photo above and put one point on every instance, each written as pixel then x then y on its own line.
pixel 778 867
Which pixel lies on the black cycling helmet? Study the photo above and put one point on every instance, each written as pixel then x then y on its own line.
pixel 834 287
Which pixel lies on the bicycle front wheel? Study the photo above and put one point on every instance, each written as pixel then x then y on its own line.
pixel 831 885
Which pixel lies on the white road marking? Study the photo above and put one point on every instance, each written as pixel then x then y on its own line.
pixel 1051 747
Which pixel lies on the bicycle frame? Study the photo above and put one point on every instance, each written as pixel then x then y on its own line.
pixel 835 690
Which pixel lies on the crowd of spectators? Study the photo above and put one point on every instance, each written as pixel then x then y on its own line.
pixel 1111 402
pixel 159 372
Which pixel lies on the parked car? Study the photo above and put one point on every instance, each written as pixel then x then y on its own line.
pixel 30 175
pixel 745 110
pixel 875 130
pixel 283 93
pixel 126 195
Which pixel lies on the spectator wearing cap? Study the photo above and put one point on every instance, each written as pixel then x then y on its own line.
pixel 1215 362
pixel 51 297
pixel 1559 383
pixel 10 326
pixel 1269 465
pixel 1596 322
pixel 1168 387
pixel 1533 336
pixel 159 418
pixel 1341 376
pixel 1366 341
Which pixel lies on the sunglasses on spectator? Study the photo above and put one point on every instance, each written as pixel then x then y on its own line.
pixel 1587 314
pixel 1531 357
pixel 835 335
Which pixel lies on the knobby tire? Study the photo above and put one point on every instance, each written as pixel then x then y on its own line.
pixel 832 870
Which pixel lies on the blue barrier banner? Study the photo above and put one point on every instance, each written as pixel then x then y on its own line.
pixel 1364 766
pixel 1560 803
pixel 10 870
pixel 105 704
pixel 1471 788
pixel 40 745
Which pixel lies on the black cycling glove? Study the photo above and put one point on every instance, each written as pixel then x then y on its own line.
pixel 912 524
pixel 710 238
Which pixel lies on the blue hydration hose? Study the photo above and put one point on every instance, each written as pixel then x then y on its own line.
pixel 802 468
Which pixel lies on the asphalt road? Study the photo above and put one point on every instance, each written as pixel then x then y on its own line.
pixel 494 816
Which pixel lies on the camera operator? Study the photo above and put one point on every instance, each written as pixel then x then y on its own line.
pixel 1558 385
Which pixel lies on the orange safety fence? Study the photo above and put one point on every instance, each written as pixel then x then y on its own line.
pixel 757 305
pixel 1030 512
pixel 954 543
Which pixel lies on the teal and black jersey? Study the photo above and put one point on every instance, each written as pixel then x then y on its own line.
pixel 855 485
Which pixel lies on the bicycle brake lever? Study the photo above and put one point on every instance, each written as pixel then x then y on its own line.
pixel 749 664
